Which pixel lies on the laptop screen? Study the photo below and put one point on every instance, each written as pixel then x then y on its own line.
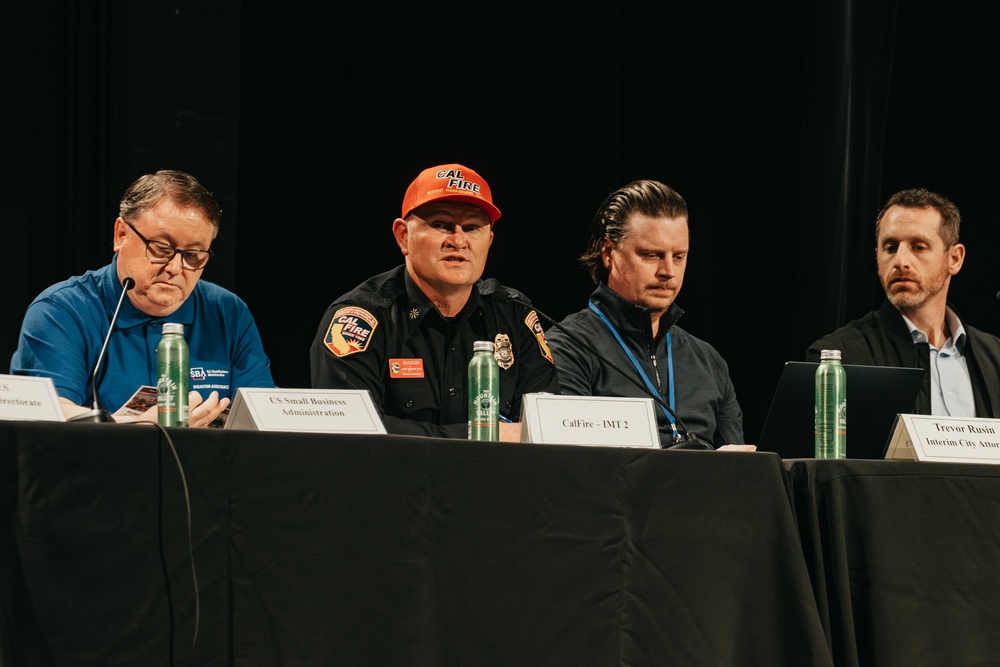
pixel 875 395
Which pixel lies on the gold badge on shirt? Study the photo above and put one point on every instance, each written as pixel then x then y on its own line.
pixel 502 351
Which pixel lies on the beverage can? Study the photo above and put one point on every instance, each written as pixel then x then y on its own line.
pixel 484 393
pixel 831 407
pixel 172 364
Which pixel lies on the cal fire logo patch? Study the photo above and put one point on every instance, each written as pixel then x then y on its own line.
pixel 531 321
pixel 350 331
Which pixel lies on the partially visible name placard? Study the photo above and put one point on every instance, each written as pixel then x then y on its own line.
pixel 945 439
pixel 589 420
pixel 29 398
pixel 305 410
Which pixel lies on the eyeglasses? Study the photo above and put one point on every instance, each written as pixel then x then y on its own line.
pixel 159 252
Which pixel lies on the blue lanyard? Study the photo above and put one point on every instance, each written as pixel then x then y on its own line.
pixel 642 373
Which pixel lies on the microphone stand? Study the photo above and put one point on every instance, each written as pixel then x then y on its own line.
pixel 98 414
pixel 684 438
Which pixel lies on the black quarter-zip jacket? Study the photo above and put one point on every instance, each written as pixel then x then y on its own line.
pixel 705 399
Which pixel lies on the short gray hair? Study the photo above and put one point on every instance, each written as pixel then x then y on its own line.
pixel 180 187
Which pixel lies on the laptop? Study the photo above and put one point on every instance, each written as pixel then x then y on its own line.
pixel 875 395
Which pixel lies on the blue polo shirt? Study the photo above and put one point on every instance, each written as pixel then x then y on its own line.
pixel 64 328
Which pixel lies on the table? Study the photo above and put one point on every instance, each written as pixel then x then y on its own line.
pixel 905 559
pixel 313 549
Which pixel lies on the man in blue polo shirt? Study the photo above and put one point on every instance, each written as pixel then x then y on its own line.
pixel 162 240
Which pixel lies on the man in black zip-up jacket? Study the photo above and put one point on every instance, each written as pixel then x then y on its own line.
pixel 918 252
pixel 881 338
pixel 637 255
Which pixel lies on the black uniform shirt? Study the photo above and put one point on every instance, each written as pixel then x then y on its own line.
pixel 386 336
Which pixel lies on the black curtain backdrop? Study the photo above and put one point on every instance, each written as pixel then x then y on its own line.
pixel 784 125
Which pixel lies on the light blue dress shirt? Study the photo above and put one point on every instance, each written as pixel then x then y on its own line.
pixel 951 386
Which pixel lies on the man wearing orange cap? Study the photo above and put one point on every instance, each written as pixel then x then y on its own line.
pixel 406 335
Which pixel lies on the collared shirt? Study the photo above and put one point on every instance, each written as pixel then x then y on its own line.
pixel 387 337
pixel 64 328
pixel 951 385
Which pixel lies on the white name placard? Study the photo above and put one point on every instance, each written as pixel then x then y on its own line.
pixel 945 439
pixel 29 398
pixel 589 420
pixel 305 410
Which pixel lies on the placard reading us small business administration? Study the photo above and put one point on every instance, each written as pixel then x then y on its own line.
pixel 305 410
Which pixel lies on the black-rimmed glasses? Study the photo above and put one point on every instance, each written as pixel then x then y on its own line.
pixel 159 252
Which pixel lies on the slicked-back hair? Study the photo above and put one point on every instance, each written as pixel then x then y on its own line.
pixel 646 197
pixel 924 198
pixel 181 188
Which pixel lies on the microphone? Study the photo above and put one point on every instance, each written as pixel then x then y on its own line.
pixel 98 414
pixel 684 439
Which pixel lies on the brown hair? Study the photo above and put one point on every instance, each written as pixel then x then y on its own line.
pixel 924 198
pixel 650 198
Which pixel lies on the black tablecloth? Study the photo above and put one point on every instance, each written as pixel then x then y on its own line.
pixel 388 550
pixel 905 559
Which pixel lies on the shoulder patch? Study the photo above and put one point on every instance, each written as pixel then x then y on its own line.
pixel 531 321
pixel 350 331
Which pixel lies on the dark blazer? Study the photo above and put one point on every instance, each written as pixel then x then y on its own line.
pixel 881 338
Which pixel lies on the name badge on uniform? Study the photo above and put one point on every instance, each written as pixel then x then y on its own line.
pixel 406 368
